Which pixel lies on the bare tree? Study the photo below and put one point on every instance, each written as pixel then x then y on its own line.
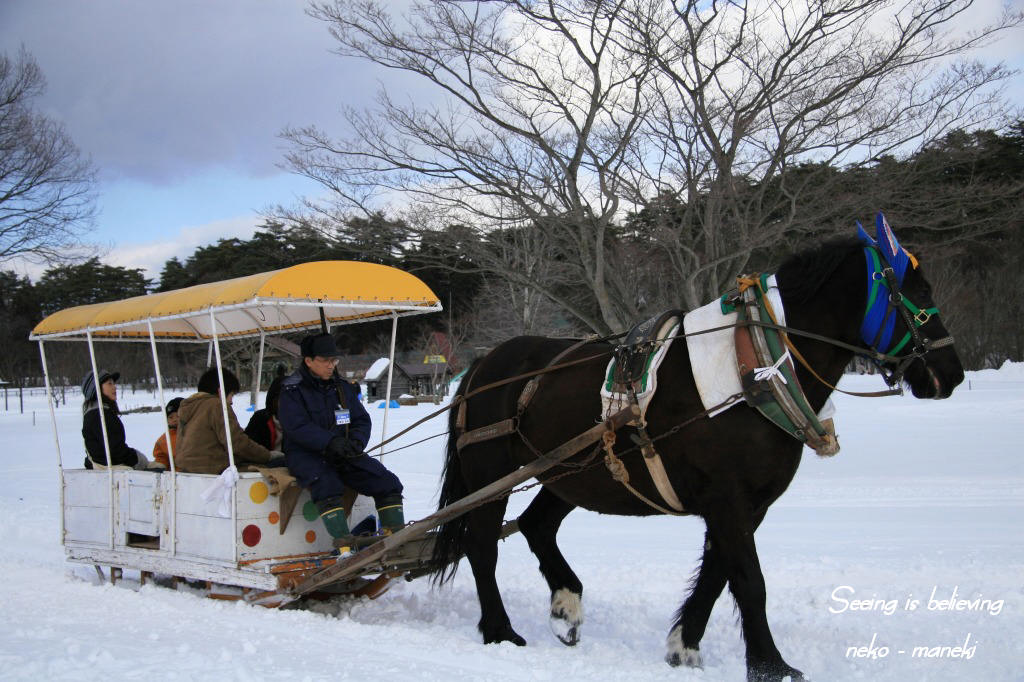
pixel 528 281
pixel 557 118
pixel 47 199
pixel 539 103
pixel 760 102
pixel 504 309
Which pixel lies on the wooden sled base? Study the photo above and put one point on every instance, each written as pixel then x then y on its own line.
pixel 357 588
pixel 410 559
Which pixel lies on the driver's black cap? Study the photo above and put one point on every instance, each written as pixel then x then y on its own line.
pixel 319 345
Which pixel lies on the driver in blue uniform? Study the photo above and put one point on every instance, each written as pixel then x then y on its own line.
pixel 326 429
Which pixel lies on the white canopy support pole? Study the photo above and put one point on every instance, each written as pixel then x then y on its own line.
pixel 103 428
pixel 223 393
pixel 391 372
pixel 209 349
pixel 56 436
pixel 167 436
pixel 259 371
pixel 227 434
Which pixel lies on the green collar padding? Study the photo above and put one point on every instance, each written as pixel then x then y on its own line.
pixel 728 307
pixel 771 408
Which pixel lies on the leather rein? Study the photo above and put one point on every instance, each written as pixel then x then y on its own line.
pixel 921 346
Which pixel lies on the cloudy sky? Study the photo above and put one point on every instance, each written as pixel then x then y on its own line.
pixel 179 104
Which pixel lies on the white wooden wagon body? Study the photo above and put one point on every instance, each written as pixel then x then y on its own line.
pixel 193 538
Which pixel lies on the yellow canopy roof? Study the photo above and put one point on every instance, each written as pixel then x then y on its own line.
pixel 269 302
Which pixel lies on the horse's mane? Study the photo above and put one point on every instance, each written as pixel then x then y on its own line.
pixel 802 274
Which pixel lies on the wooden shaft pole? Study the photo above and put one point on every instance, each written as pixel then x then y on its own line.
pixel 350 566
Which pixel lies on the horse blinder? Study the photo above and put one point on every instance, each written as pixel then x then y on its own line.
pixel 922 345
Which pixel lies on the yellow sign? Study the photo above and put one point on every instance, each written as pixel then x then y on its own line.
pixel 434 360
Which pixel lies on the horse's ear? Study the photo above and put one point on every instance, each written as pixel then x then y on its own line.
pixel 894 254
pixel 864 237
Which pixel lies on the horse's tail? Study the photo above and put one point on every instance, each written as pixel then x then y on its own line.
pixel 449 542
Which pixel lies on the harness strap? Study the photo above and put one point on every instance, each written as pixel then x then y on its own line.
pixel 859 394
pixel 621 474
pixel 633 369
pixel 485 433
pixel 460 401
pixel 531 386
pixel 656 468
pixel 509 426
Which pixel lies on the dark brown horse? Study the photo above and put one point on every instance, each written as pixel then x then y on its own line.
pixel 727 469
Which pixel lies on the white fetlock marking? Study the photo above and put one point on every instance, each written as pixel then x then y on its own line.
pixel 566 615
pixel 680 655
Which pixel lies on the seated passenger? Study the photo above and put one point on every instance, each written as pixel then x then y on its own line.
pixel 160 449
pixel 263 426
pixel 202 443
pixel 121 454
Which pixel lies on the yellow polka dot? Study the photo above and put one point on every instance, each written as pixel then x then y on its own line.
pixel 258 492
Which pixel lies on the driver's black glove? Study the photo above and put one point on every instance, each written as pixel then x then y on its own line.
pixel 341 448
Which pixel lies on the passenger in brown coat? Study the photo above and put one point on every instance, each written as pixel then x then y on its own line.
pixel 202 447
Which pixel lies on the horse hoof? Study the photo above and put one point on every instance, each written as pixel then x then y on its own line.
pixel 689 658
pixel 566 616
pixel 566 634
pixel 504 634
pixel 775 673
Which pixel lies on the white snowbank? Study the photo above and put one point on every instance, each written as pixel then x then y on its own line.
pixel 926 498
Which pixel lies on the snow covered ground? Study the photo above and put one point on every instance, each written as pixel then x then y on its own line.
pixel 925 501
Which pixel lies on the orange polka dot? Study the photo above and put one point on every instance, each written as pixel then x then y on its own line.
pixel 274 517
pixel 311 536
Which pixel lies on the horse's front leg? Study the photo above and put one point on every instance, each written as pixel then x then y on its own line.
pixel 684 638
pixel 692 618
pixel 539 525
pixel 732 538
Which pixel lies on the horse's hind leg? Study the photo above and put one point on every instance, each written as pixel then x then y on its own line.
pixel 483 525
pixel 539 525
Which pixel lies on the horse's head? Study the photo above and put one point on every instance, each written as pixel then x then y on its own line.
pixel 902 320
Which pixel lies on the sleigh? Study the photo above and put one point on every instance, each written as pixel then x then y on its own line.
pixel 238 540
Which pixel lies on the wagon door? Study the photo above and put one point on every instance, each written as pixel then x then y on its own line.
pixel 139 499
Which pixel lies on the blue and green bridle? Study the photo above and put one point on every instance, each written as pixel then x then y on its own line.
pixel 884 300
pixel 886 304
